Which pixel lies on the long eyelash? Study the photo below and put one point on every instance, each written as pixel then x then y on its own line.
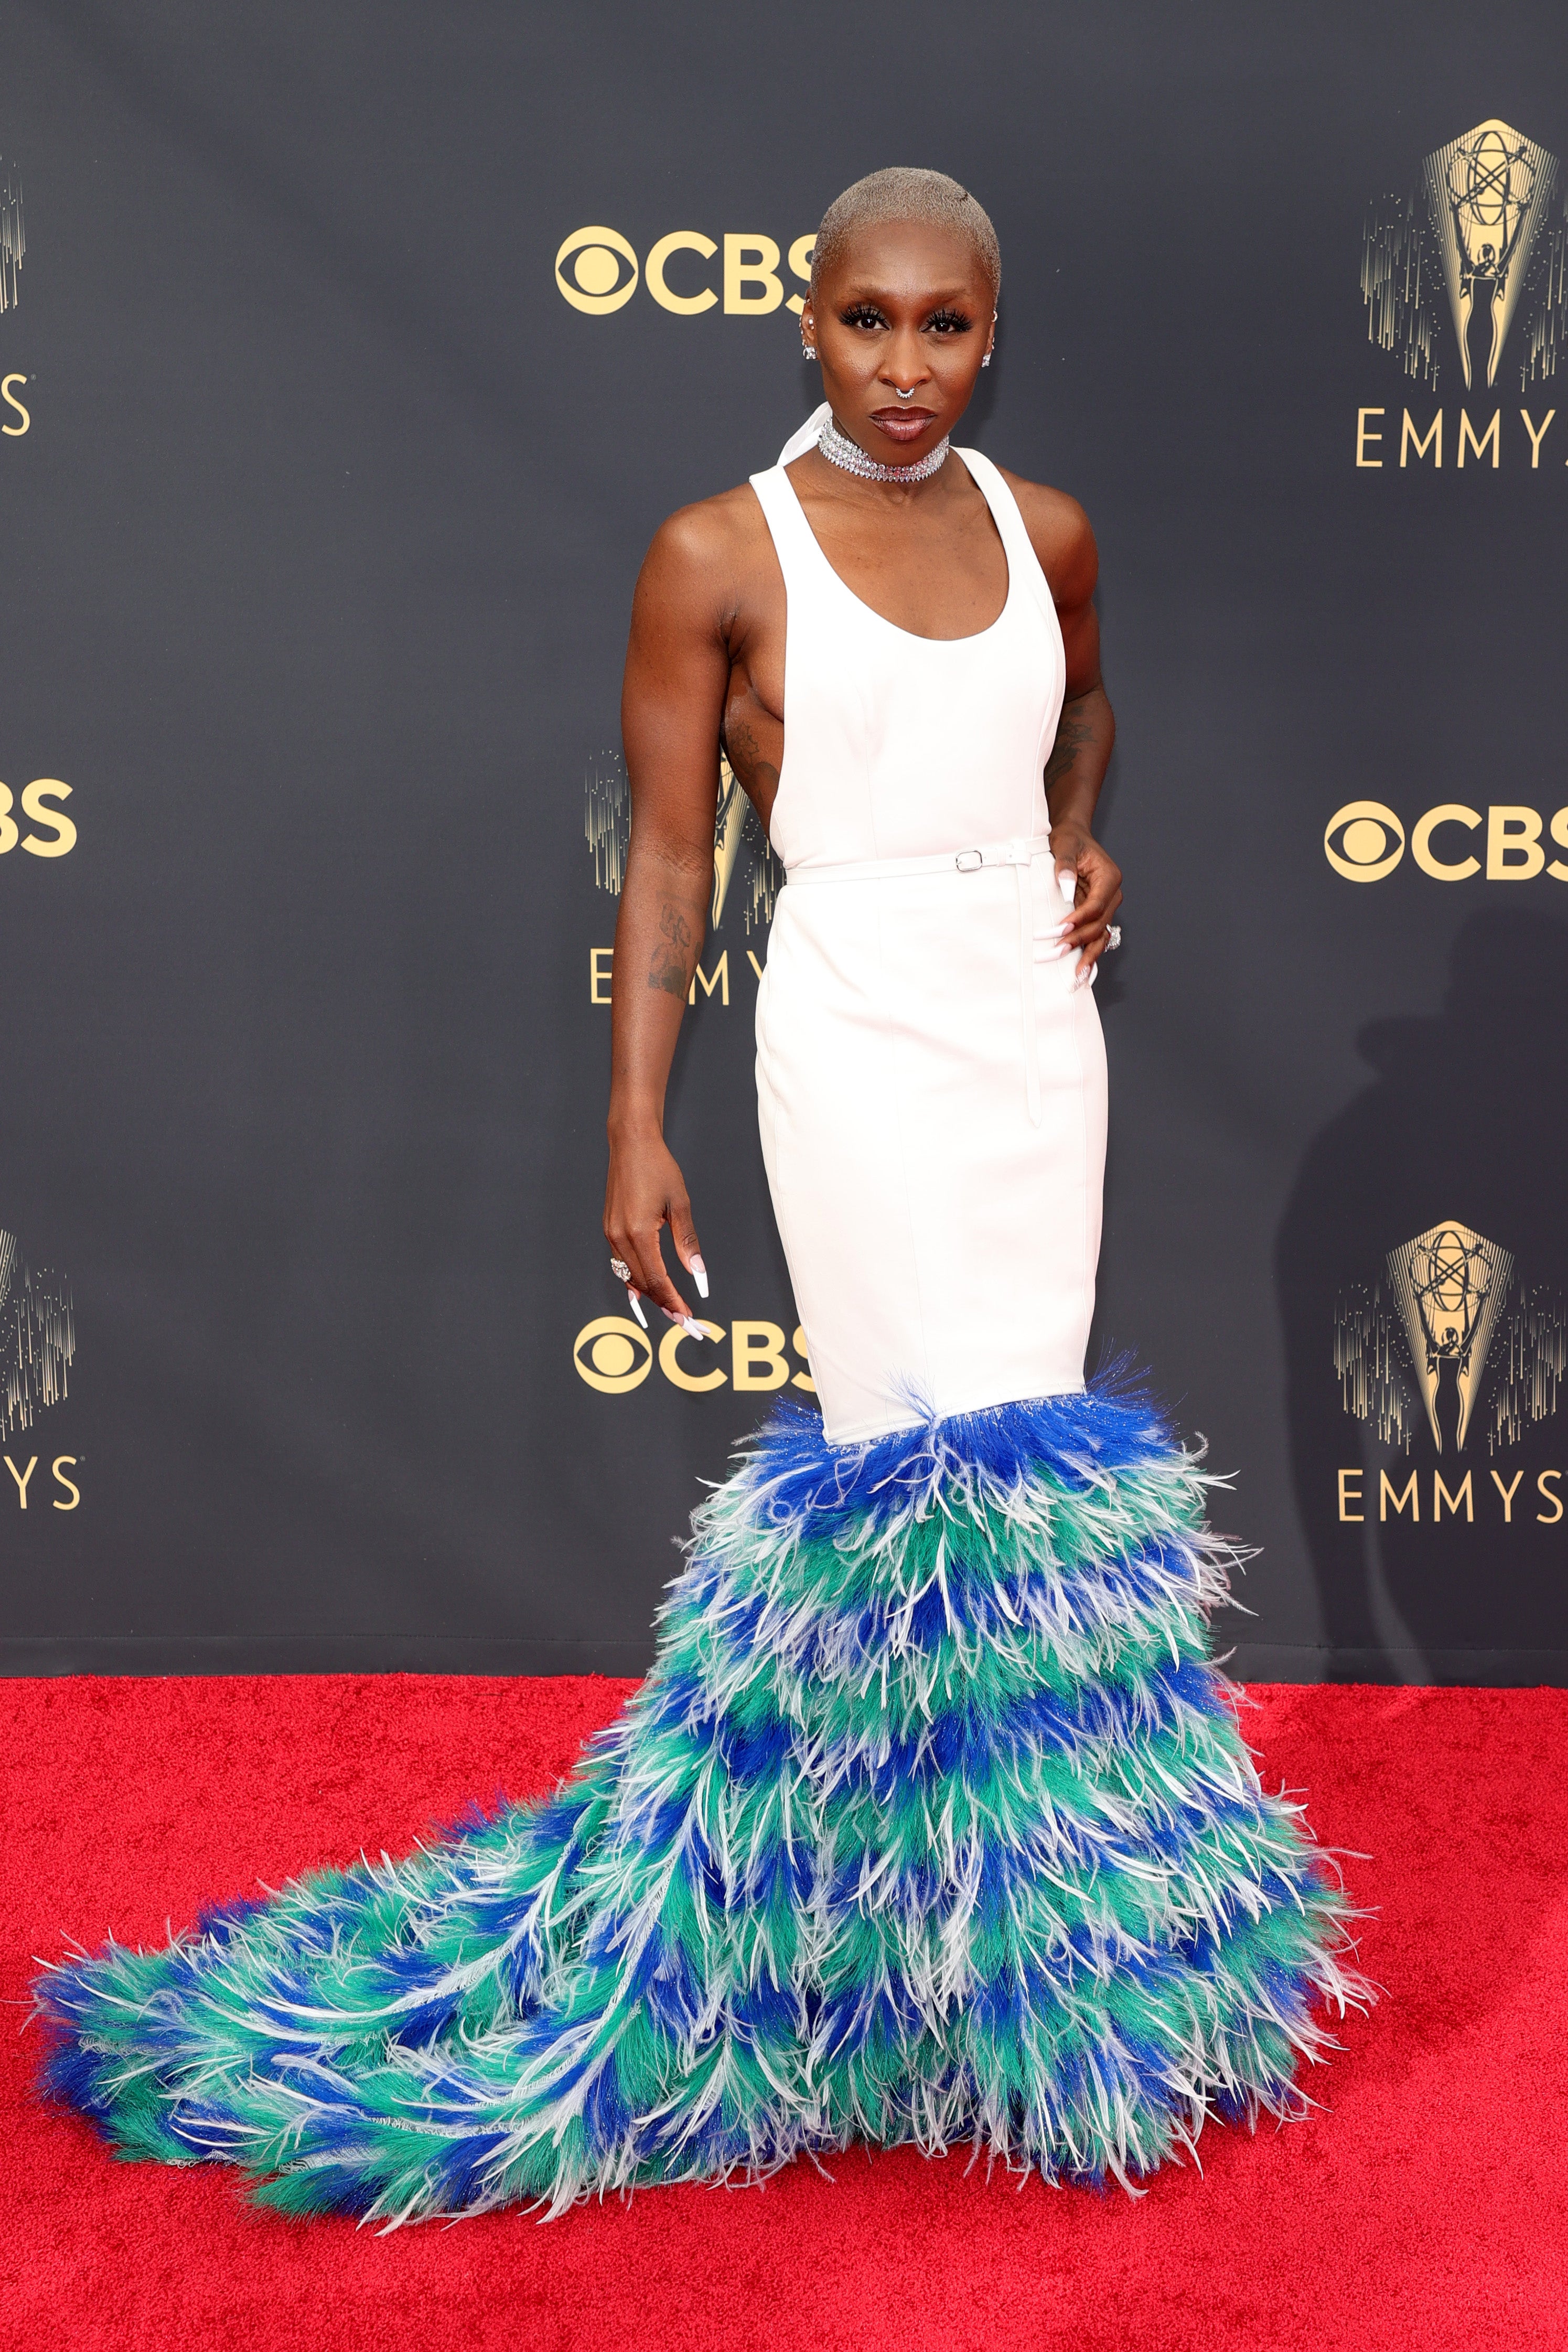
pixel 866 314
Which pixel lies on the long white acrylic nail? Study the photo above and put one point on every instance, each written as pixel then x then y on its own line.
pixel 699 1274
pixel 635 1303
pixel 686 1323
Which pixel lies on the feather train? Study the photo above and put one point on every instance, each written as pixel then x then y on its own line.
pixel 932 1822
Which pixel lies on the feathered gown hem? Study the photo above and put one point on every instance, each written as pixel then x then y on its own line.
pixel 932 1825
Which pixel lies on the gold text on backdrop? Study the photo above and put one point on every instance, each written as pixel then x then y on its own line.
pixel 615 1356
pixel 22 1479
pixel 1424 449
pixel 597 271
pixel 1365 841
pixel 59 836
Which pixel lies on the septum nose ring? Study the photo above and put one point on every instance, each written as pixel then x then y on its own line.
pixel 903 395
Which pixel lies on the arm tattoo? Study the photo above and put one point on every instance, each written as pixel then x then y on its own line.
pixel 669 969
pixel 759 779
pixel 1072 736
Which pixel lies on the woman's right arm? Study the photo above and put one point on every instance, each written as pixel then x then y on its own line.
pixel 672 704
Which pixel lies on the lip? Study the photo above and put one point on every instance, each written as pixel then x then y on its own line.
pixel 903 423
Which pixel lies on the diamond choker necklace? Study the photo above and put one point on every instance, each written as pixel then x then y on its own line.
pixel 839 450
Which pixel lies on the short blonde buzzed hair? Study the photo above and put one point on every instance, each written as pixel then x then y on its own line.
pixel 904 192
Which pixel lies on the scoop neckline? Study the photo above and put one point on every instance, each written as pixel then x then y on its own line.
pixel 975 636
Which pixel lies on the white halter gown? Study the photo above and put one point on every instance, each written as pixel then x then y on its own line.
pixel 931 1084
pixel 931 1821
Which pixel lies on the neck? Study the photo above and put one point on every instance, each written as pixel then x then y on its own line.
pixel 841 450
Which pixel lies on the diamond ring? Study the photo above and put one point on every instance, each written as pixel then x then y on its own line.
pixel 620 1269
pixel 1113 935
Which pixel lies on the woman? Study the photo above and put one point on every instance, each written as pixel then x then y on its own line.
pixel 931 1821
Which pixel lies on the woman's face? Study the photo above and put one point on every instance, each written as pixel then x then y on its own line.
pixel 907 308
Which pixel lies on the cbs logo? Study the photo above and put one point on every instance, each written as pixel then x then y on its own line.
pixel 1365 841
pixel 597 271
pixel 58 835
pixel 613 1355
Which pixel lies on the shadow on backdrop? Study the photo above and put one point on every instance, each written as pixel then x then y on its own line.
pixel 1420 1271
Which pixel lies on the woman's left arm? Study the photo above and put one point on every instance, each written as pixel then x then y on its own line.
pixel 1064 542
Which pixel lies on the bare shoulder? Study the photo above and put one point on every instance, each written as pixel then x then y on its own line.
pixel 705 554
pixel 1061 536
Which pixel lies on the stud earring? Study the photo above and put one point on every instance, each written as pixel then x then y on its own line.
pixel 809 350
pixel 986 361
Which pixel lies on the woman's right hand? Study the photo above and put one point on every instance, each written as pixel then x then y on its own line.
pixel 645 1192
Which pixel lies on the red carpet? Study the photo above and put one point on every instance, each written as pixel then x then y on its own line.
pixel 1426 2205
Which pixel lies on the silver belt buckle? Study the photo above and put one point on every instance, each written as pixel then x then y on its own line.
pixel 970 861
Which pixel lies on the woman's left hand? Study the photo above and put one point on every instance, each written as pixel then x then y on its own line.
pixel 1095 898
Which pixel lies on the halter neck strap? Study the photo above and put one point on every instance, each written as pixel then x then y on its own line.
pixel 808 437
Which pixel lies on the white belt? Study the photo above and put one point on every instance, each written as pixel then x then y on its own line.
pixel 1020 855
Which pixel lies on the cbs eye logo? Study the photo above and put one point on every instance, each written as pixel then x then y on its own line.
pixel 613 1355
pixel 1365 841
pixel 596 270
pixel 1371 841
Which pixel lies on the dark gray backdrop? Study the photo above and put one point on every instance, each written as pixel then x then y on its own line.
pixel 318 546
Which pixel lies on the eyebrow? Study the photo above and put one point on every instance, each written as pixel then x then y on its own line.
pixel 933 301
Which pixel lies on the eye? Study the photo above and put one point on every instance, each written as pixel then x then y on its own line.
pixel 948 323
pixel 612 1355
pixel 862 314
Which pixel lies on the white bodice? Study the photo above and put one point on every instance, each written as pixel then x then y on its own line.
pixel 930 1085
pixel 900 746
